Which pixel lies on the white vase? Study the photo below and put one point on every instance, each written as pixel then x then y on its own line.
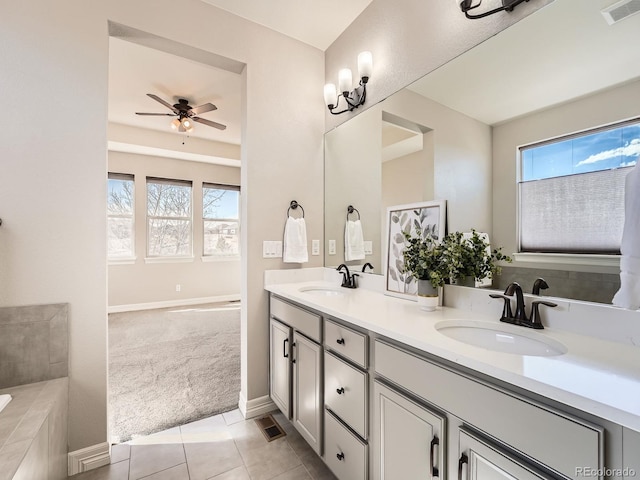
pixel 428 297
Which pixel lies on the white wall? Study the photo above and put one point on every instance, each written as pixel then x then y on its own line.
pixel 596 110
pixel 55 62
pixel 144 283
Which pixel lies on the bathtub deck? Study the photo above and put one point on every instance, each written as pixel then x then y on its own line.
pixel 23 421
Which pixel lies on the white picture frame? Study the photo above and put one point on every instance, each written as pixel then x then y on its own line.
pixel 429 216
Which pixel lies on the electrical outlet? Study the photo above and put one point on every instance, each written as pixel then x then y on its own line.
pixel 315 247
pixel 332 247
pixel 178 287
pixel 368 247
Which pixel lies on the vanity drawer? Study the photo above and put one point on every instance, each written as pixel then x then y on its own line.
pixel 346 342
pixel 345 454
pixel 345 392
pixel 551 437
pixel 302 320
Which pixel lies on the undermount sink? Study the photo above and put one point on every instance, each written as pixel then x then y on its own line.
pixel 323 290
pixel 501 338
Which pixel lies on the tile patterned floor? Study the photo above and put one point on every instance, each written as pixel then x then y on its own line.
pixel 223 447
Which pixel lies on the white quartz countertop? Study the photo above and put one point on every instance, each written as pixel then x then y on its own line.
pixel 596 376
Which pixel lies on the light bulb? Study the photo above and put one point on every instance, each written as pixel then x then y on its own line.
pixel 187 124
pixel 345 81
pixel 365 65
pixel 330 95
pixel 175 124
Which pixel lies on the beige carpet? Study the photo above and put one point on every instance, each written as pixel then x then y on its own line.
pixel 172 366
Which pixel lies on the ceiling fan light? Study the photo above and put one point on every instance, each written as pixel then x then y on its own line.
pixel 187 124
pixel 175 124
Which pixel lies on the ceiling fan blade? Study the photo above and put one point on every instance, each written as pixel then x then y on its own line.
pixel 206 107
pixel 209 122
pixel 166 104
pixel 163 114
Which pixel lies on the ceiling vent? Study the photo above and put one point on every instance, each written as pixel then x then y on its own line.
pixel 621 10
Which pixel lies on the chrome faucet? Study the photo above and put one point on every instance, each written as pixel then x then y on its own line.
pixel 348 278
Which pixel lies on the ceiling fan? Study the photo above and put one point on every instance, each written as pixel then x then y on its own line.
pixel 186 114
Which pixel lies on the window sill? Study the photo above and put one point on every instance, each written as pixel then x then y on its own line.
pixel 168 260
pixel 213 258
pixel 122 261
pixel 570 259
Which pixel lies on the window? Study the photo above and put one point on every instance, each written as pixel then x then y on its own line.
pixel 221 219
pixel 572 190
pixel 168 218
pixel 120 239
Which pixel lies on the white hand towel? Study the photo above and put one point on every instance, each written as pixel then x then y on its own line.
pixel 629 294
pixel 353 241
pixel 295 241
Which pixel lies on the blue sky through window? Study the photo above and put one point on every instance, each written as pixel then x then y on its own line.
pixel 602 150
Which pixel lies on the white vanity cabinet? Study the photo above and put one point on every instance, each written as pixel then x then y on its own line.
pixel 295 366
pixel 480 460
pixel 346 390
pixel 409 437
pixel 548 439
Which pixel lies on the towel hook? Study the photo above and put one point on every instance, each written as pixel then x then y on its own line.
pixel 294 205
pixel 350 210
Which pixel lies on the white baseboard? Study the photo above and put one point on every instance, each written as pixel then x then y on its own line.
pixel 89 458
pixel 172 303
pixel 255 407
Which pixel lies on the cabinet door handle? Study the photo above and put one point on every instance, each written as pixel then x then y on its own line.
pixel 340 456
pixel 340 341
pixel 285 354
pixel 461 462
pixel 293 357
pixel 434 470
pixel 340 390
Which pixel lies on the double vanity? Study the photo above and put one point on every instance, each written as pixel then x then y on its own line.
pixel 383 390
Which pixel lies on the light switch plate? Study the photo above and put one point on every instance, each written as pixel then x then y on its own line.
pixel 315 247
pixel 271 249
pixel 332 247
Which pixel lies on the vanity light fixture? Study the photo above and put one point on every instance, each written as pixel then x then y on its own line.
pixel 355 97
pixel 507 5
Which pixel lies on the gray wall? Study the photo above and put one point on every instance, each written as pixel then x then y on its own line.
pixel 33 344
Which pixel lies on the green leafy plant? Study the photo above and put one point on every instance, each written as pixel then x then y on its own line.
pixel 423 257
pixel 471 257
pixel 452 259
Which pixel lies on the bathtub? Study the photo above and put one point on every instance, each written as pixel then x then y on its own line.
pixel 33 431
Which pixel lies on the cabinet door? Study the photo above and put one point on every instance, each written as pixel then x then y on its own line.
pixel 280 366
pixel 307 390
pixel 409 438
pixel 479 460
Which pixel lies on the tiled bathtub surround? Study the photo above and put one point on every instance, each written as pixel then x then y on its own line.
pixel 33 431
pixel 33 344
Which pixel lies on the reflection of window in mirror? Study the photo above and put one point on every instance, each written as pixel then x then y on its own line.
pixel 572 190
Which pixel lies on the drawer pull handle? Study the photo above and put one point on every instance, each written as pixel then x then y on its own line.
pixel 340 341
pixel 293 358
pixel 434 470
pixel 461 462
pixel 340 390
pixel 285 354
pixel 340 456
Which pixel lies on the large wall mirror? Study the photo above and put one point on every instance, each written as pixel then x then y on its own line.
pixel 453 135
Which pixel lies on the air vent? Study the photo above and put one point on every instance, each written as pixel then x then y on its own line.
pixel 270 428
pixel 621 10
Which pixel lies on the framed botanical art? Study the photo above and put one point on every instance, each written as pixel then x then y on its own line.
pixel 430 217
